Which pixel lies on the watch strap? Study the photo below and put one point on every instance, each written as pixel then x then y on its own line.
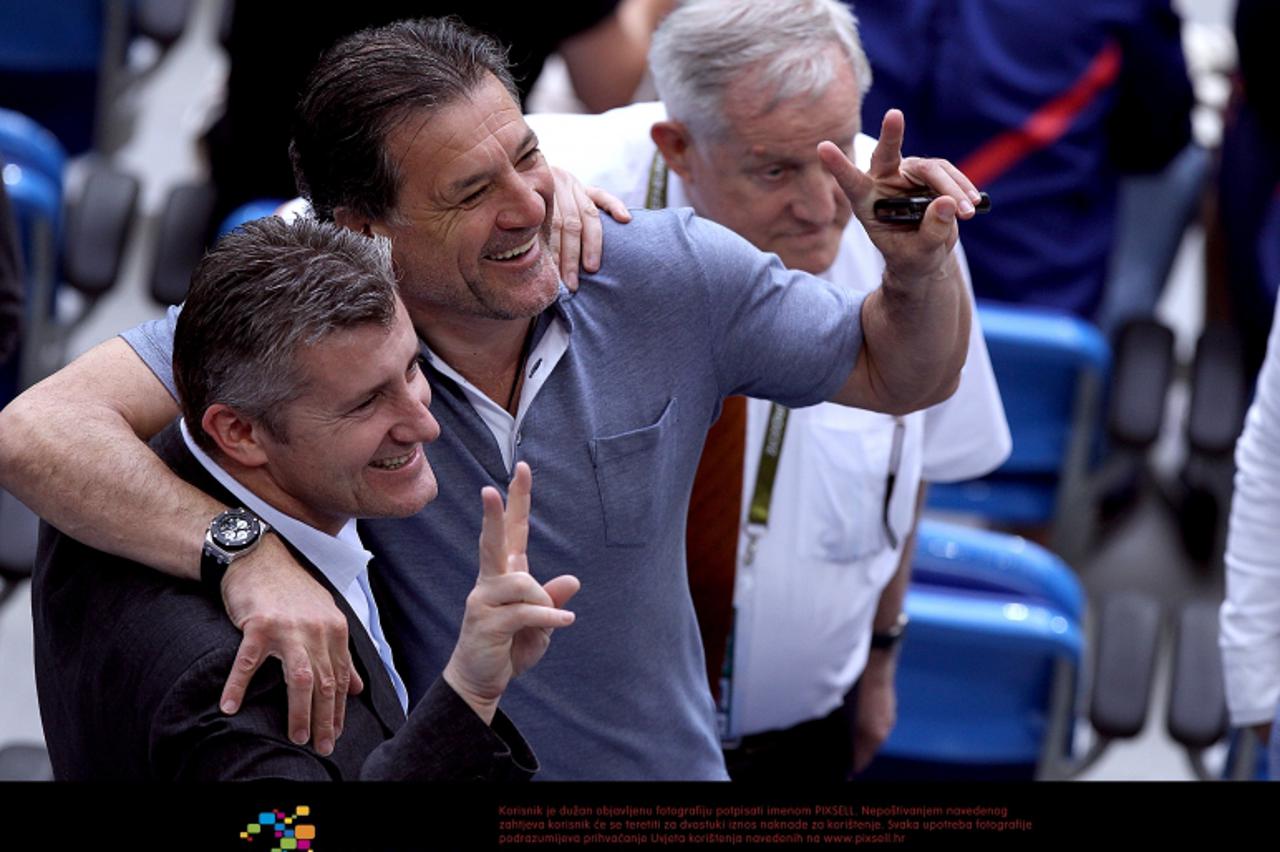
pixel 215 559
pixel 213 567
pixel 887 640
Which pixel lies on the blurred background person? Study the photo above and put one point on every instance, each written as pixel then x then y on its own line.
pixel 1047 107
pixel 272 46
pixel 1249 180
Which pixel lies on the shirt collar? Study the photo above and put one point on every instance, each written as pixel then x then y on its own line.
pixel 340 558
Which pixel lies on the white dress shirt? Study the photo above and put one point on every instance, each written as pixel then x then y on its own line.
pixel 341 558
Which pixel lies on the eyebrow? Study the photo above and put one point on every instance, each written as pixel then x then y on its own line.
pixel 463 186
pixel 357 398
pixel 772 157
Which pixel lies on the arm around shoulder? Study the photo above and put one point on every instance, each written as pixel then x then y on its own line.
pixel 72 448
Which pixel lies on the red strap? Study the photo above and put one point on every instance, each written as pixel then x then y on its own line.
pixel 1047 124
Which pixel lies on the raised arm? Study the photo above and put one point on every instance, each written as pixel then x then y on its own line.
pixel 916 324
pixel 72 448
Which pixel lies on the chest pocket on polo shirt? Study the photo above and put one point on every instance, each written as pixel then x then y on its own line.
pixel 632 475
pixel 847 465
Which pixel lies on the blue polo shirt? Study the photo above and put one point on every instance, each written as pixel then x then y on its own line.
pixel 682 313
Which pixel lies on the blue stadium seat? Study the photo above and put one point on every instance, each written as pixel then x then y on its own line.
pixel 258 209
pixel 78 243
pixel 62 62
pixel 1071 406
pixel 989 668
pixel 1051 369
pixel 33 161
pixel 51 56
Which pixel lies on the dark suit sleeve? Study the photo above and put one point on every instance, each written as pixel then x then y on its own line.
pixel 443 739
pixel 192 740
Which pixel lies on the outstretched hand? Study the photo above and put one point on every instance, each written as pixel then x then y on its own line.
pixel 509 616
pixel 908 252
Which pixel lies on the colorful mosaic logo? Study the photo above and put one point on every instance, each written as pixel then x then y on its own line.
pixel 283 832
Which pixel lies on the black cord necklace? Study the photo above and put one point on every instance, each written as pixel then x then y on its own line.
pixel 524 358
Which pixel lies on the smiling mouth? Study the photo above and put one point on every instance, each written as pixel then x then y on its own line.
pixel 395 462
pixel 518 251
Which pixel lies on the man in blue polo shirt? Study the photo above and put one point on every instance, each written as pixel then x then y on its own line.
pixel 607 393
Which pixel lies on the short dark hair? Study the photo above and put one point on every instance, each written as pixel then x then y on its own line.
pixel 266 290
pixel 362 88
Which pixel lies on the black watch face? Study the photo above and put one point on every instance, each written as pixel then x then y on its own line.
pixel 235 530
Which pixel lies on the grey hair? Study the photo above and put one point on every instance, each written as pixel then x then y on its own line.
pixel 703 46
pixel 264 292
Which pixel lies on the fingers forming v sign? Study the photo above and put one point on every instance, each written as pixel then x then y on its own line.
pixel 906 250
pixel 509 616
pixel 509 530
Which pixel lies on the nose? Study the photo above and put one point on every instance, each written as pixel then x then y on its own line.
pixel 415 424
pixel 528 200
pixel 817 197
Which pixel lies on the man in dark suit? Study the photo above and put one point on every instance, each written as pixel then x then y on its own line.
pixel 303 405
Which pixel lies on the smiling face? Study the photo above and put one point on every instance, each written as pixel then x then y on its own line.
pixel 353 441
pixel 763 178
pixel 472 222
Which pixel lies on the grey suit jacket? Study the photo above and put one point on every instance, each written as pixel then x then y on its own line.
pixel 130 664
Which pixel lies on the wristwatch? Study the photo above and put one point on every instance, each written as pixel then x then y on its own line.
pixel 231 535
pixel 888 639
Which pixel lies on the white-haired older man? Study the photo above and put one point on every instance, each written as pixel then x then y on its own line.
pixel 749 88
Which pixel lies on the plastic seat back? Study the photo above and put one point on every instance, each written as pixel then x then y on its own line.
pixel 51 56
pixel 1051 369
pixel 988 666
pixel 32 172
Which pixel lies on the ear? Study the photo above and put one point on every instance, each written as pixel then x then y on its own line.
pixel 239 438
pixel 345 218
pixel 676 145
